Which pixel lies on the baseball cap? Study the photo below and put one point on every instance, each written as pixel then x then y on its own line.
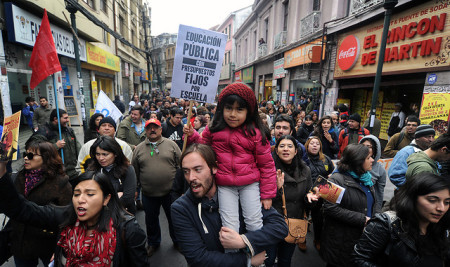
pixel 153 121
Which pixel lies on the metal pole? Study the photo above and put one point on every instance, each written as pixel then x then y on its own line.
pixel 389 6
pixel 72 11
pixel 147 52
pixel 57 115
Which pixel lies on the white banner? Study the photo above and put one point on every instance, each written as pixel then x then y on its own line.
pixel 107 107
pixel 197 64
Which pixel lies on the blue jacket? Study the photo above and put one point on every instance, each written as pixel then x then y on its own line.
pixel 197 224
pixel 397 170
pixel 28 114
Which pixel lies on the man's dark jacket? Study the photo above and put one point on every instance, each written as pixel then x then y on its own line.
pixel 199 238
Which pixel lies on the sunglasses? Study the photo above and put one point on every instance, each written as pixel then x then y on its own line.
pixel 29 155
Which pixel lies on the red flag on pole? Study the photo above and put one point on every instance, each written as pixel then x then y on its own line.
pixel 44 59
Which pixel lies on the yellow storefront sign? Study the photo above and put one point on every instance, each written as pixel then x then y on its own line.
pixel 436 107
pixel 99 57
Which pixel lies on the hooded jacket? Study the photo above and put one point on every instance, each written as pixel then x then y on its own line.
pixel 242 160
pixel 378 172
pixel 197 224
pixel 420 162
pixel 398 167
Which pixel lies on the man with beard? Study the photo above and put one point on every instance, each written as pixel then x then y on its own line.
pixel 156 161
pixel 197 224
pixel 423 138
pixel 284 125
pixel 402 139
pixel 42 113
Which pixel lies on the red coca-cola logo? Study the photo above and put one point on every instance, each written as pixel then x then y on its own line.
pixel 348 53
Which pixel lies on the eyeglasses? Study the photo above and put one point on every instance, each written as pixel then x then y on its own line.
pixel 411 125
pixel 29 155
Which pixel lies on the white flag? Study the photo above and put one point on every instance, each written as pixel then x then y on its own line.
pixel 107 107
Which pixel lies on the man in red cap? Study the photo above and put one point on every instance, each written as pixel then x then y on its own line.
pixel 155 161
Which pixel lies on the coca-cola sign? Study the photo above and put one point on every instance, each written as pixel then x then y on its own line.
pixel 348 53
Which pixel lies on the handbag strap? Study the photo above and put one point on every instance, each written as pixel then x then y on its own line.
pixel 284 201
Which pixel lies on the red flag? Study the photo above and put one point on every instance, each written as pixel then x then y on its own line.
pixel 44 59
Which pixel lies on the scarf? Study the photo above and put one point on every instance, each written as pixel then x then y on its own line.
pixel 366 178
pixel 82 250
pixel 32 177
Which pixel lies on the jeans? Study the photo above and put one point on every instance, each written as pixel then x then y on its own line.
pixel 284 251
pixel 249 198
pixel 152 206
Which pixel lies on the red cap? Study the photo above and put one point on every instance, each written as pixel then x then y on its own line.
pixel 154 121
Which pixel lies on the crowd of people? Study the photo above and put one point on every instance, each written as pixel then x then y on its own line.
pixel 74 204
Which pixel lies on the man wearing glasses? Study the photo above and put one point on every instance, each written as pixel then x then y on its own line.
pixel 403 138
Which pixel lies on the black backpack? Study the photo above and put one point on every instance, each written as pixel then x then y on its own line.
pixel 393 126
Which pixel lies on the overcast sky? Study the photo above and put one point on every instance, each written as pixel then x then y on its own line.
pixel 167 15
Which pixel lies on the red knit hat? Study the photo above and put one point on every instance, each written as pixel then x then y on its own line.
pixel 242 90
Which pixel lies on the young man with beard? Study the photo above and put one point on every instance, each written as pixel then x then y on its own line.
pixel 403 138
pixel 197 224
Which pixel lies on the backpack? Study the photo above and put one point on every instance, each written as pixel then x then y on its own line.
pixel 393 126
pixel 399 140
pixel 359 132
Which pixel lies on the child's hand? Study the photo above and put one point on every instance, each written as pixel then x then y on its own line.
pixel 267 203
pixel 188 130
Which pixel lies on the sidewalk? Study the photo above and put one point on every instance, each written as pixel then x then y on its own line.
pixel 24 135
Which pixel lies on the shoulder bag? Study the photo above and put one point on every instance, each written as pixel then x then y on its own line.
pixel 297 227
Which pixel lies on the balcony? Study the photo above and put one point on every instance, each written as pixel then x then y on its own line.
pixel 310 24
pixel 262 50
pixel 251 57
pixel 358 6
pixel 280 40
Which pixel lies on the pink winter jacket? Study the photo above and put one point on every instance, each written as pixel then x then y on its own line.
pixel 242 160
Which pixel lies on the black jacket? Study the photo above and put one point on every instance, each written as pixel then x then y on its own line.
pixel 296 187
pixel 29 241
pixel 384 243
pixel 319 167
pixel 303 132
pixel 344 222
pixel 13 205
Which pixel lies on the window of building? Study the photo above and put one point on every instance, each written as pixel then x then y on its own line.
pixel 133 37
pixel 121 26
pixel 286 15
pixel 266 29
pixel 89 3
pixel 316 5
pixel 104 6
pixel 229 32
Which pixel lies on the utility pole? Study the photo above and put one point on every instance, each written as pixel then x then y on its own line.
pixel 72 10
pixel 147 51
pixel 389 6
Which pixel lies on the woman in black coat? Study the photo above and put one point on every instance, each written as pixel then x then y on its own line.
pixel 344 222
pixel 107 157
pixel 295 177
pixel 319 164
pixel 414 232
pixel 92 132
pixel 93 230
pixel 305 130
pixel 42 181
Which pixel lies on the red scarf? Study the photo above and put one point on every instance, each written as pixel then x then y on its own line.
pixel 97 249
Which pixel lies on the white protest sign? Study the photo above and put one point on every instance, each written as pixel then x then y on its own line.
pixel 197 64
pixel 107 107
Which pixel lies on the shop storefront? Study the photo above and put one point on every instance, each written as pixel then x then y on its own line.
pixel 416 46
pixel 298 62
pixel 22 29
pixel 247 77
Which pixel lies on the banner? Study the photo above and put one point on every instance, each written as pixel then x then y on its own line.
pixel 435 107
pixel 107 107
pixel 198 61
pixel 10 134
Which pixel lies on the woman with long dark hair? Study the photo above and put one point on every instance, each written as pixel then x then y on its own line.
pixel 295 177
pixel 415 230
pixel 319 164
pixel 42 181
pixel 93 229
pixel 344 222
pixel 329 139
pixel 92 132
pixel 107 157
